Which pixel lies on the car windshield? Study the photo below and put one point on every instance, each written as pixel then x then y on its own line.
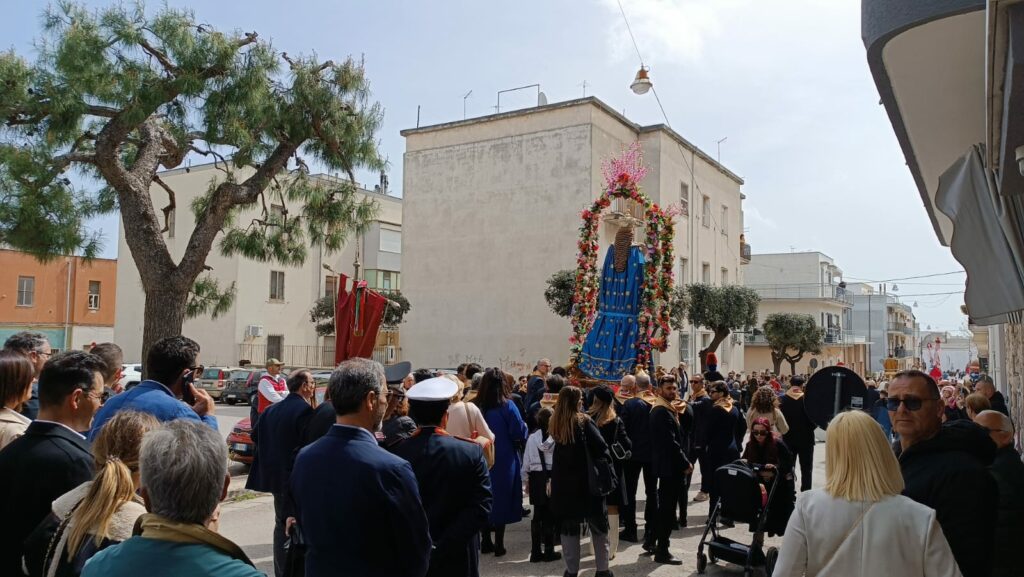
pixel 239 375
pixel 211 374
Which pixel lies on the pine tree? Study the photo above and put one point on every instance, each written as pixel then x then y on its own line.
pixel 117 95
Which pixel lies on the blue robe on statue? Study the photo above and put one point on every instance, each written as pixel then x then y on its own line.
pixel 610 349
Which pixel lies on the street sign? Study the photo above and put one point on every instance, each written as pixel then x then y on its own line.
pixel 831 391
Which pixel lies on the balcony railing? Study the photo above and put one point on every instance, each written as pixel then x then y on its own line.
pixel 898 327
pixel 744 253
pixel 803 292
pixel 309 356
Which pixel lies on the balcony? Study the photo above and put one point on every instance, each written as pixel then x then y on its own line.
pixel 903 328
pixel 832 293
pixel 744 253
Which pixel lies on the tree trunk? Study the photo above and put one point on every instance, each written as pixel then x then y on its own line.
pixel 792 367
pixel 720 335
pixel 776 363
pixel 164 316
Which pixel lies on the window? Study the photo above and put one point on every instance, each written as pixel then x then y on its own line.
pixel 26 291
pixel 724 225
pixel 276 285
pixel 383 280
pixel 684 198
pixel 705 340
pixel 725 276
pixel 684 348
pixel 331 286
pixel 171 222
pixel 705 273
pixel 706 212
pixel 94 295
pixel 390 241
pixel 275 347
pixel 684 270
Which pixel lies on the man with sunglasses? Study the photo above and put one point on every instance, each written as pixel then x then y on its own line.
pixel 945 468
pixel 168 393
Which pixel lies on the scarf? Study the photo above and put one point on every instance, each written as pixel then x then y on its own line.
pixel 153 526
pixel 794 394
pixel 658 401
pixel 725 403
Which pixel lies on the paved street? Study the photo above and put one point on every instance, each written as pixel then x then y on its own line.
pixel 249 523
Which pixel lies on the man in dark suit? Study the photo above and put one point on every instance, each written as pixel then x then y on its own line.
pixel 669 462
pixel 800 437
pixel 636 413
pixel 279 434
pixel 52 457
pixel 453 479
pixel 354 501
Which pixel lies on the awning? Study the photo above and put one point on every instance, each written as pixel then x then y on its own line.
pixel 985 238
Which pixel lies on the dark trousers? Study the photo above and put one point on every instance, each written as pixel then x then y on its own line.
pixel 705 470
pixel 805 452
pixel 280 518
pixel 668 496
pixel 684 498
pixel 633 469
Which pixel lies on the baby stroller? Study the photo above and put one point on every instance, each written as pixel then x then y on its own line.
pixel 741 499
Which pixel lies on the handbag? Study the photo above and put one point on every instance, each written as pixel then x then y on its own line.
pixel 618 451
pixel 488 447
pixel 295 558
pixel 544 468
pixel 601 478
pixel 849 532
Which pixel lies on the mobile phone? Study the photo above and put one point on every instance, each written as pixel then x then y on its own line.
pixel 186 388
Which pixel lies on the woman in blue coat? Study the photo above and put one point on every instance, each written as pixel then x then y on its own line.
pixel 509 430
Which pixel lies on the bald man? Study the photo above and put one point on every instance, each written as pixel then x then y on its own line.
pixel 1009 474
pixel 986 387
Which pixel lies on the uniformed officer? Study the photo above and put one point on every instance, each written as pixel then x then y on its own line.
pixel 453 481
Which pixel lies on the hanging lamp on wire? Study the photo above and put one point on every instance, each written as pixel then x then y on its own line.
pixel 642 82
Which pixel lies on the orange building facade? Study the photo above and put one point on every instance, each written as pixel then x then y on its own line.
pixel 69 300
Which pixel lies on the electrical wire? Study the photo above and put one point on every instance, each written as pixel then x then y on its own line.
pixel 857 279
pixel 630 30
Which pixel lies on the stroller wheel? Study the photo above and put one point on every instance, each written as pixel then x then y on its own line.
pixel 770 558
pixel 702 563
pixel 712 558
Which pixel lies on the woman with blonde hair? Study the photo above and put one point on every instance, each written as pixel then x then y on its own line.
pixel 572 502
pixel 98 513
pixel 860 524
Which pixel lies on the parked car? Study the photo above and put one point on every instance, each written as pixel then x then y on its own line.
pixel 241 386
pixel 214 380
pixel 131 375
pixel 240 445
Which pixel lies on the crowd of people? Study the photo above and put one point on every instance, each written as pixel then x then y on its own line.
pixel 98 481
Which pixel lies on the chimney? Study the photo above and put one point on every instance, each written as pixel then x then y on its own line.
pixel 383 182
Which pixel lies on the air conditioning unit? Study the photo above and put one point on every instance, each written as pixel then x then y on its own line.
pixel 254 331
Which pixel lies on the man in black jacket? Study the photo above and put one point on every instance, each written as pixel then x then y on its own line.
pixel 800 437
pixel 52 457
pixel 945 468
pixel 636 413
pixel 669 462
pixel 1009 474
pixel 986 387
pixel 701 403
pixel 279 434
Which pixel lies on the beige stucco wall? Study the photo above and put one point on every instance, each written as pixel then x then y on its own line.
pixel 496 204
pixel 220 339
pixel 759 358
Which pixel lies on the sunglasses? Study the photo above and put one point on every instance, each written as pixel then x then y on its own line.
pixel 912 403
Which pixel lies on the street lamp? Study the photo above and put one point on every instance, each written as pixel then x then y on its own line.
pixel 642 83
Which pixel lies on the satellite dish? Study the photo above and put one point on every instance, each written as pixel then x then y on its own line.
pixel 831 391
pixel 542 99
pixel 813 364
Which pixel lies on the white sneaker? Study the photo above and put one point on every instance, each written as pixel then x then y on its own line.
pixel 701 497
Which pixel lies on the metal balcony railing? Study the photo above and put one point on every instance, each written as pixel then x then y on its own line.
pixel 803 292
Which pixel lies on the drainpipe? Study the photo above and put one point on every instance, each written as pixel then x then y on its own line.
pixel 67 308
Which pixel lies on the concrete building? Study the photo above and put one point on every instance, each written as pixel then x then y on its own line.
pixel 270 316
pixel 497 201
pixel 69 299
pixel 888 325
pixel 804 283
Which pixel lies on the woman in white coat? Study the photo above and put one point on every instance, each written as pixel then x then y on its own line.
pixel 859 524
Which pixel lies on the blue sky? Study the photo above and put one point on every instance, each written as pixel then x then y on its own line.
pixel 786 82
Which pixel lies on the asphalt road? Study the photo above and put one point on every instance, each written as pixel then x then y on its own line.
pixel 249 522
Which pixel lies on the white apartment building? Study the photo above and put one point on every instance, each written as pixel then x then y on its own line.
pixel 497 201
pixel 270 316
pixel 804 283
pixel 889 325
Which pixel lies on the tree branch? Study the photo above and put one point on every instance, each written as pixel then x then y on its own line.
pixel 162 58
pixel 102 111
pixel 171 204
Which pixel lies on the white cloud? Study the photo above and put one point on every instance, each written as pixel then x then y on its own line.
pixel 664 29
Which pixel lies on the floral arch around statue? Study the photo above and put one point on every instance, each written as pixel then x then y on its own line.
pixel 622 177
